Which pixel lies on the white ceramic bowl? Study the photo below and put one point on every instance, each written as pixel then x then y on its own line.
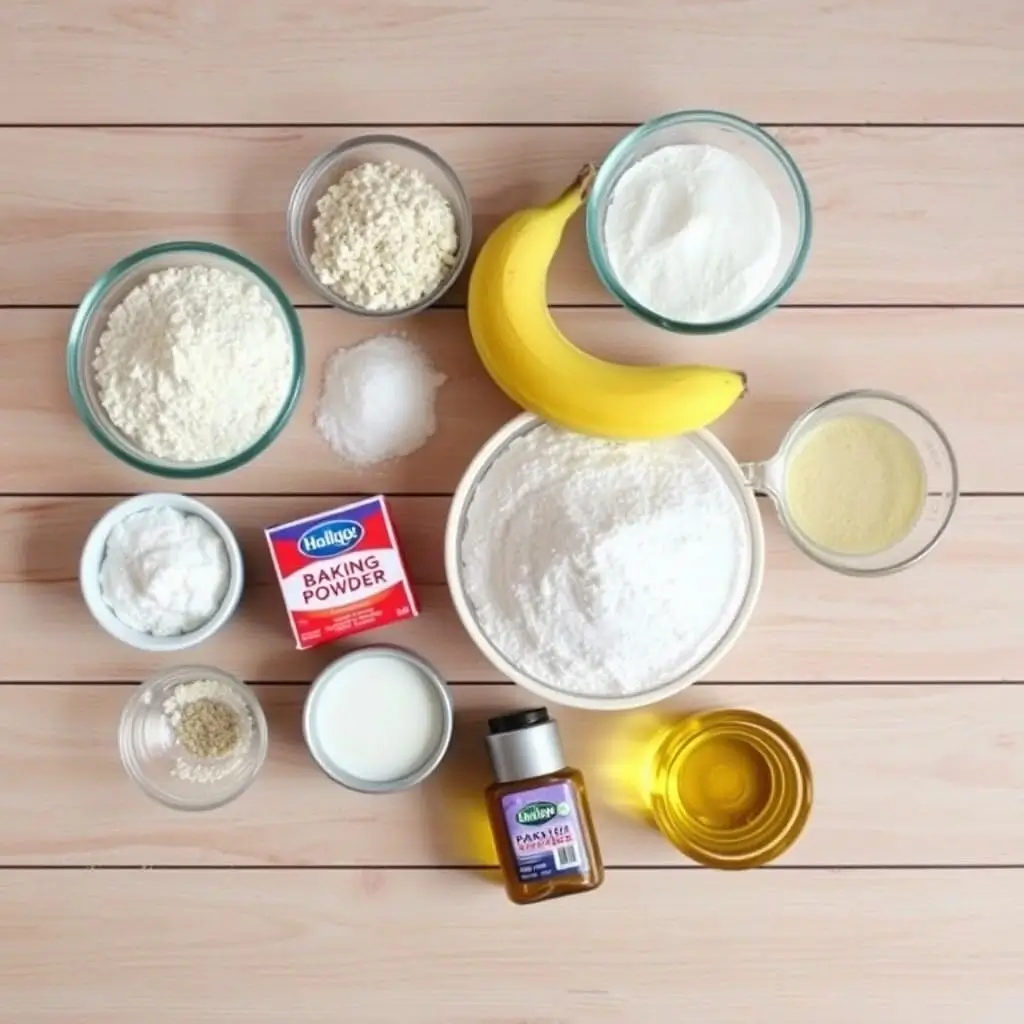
pixel 92 559
pixel 492 449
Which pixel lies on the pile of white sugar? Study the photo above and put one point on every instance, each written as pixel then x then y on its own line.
pixel 378 400
pixel 194 365
pixel 604 568
pixel 384 237
pixel 693 233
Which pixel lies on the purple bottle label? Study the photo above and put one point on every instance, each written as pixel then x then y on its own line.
pixel 544 829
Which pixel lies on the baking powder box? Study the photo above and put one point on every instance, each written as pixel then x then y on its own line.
pixel 341 572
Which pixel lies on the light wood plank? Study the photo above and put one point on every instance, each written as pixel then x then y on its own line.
pixel 899 773
pixel 954 618
pixel 903 215
pixel 45 447
pixel 429 948
pixel 61 526
pixel 962 365
pixel 93 60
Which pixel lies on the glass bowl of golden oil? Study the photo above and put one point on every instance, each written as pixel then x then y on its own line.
pixel 729 788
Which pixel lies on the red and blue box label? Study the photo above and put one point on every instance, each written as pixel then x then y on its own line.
pixel 341 572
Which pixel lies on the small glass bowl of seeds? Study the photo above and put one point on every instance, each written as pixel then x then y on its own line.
pixel 193 737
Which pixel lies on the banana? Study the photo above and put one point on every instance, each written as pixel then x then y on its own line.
pixel 534 363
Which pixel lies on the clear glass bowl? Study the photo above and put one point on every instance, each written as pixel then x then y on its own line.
pixel 941 480
pixel 91 321
pixel 325 171
pixel 744 140
pixel 732 789
pixel 150 752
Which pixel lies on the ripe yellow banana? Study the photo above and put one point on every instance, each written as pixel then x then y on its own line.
pixel 533 362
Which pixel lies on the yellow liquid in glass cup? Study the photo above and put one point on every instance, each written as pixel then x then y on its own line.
pixel 855 485
pixel 729 788
pixel 865 483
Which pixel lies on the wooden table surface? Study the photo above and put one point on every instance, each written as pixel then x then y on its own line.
pixel 124 123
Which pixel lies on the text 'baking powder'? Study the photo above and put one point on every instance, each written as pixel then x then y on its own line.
pixel 341 572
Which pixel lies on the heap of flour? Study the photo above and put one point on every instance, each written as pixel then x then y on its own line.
pixel 604 568
pixel 195 364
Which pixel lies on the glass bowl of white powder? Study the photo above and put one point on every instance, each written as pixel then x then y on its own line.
pixel 185 360
pixel 161 572
pixel 603 574
pixel 193 737
pixel 699 222
pixel 380 226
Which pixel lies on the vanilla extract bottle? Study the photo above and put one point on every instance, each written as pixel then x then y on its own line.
pixel 538 810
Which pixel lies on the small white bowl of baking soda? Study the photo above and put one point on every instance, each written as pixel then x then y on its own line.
pixel 161 572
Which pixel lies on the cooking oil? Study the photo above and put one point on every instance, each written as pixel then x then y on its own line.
pixel 729 788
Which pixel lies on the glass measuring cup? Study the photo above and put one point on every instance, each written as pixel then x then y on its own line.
pixel 938 463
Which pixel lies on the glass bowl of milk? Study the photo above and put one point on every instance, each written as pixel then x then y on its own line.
pixel 699 222
pixel 865 483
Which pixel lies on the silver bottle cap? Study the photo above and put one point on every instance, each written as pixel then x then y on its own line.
pixel 523 745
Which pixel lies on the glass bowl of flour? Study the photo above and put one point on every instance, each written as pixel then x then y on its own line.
pixel 699 222
pixel 185 360
pixel 603 574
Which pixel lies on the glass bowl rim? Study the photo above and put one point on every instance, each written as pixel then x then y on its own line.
pixel 76 342
pixel 149 685
pixel 298 200
pixel 602 184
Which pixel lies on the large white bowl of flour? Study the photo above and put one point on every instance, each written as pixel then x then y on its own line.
pixel 603 574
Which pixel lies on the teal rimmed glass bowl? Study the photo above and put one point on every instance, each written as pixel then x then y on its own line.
pixel 91 320
pixel 751 144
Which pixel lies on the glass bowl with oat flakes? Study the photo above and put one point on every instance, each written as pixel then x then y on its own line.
pixel 380 226
pixel 193 737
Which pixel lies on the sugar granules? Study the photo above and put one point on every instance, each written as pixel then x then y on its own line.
pixel 604 568
pixel 378 400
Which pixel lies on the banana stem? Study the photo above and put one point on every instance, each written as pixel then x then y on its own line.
pixel 572 198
